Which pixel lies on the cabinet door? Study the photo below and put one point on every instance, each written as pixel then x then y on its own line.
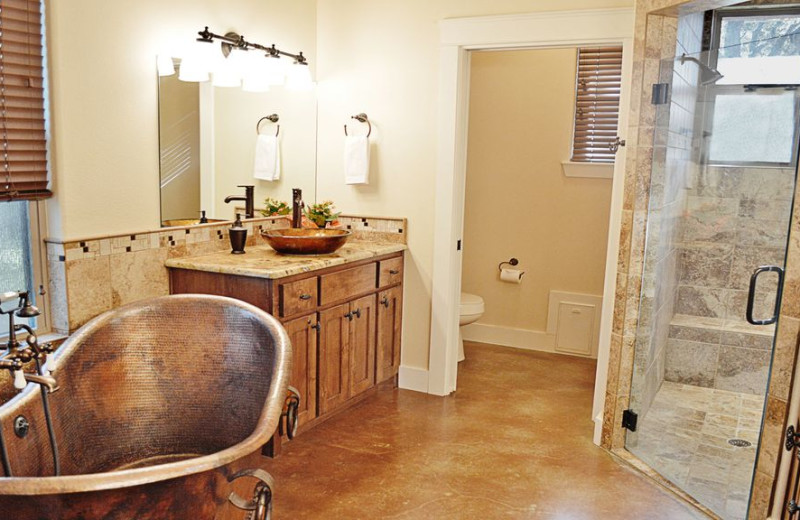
pixel 390 312
pixel 303 336
pixel 362 344
pixel 334 350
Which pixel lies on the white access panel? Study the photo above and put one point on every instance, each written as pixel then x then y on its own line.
pixel 575 328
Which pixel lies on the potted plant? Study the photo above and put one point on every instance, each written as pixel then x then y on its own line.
pixel 322 213
pixel 275 208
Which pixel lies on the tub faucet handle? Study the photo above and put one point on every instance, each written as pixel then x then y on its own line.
pixel 19 379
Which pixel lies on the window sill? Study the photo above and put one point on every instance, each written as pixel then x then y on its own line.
pixel 588 170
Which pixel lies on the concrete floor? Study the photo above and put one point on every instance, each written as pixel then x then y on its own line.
pixel 515 441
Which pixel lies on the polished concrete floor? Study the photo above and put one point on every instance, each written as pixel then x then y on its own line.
pixel 515 441
pixel 685 437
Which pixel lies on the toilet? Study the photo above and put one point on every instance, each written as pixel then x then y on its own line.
pixel 470 311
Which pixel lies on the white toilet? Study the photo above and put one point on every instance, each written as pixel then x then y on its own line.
pixel 470 311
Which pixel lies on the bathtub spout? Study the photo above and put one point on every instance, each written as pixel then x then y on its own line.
pixel 48 382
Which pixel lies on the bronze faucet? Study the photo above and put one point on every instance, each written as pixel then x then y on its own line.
pixel 249 207
pixel 297 208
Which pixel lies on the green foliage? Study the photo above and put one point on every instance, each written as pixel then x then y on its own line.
pixel 322 213
pixel 749 37
pixel 274 208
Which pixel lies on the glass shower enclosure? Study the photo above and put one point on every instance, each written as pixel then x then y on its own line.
pixel 721 195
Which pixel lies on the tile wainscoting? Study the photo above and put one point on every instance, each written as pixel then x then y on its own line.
pixel 95 274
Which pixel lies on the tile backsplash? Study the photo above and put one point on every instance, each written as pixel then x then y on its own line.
pixel 95 274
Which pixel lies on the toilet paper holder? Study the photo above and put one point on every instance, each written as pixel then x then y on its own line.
pixel 511 262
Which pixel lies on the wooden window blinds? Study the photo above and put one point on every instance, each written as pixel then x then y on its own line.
pixel 596 103
pixel 23 157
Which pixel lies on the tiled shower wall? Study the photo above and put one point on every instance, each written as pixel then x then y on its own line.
pixel 736 220
pixel 91 276
pixel 672 169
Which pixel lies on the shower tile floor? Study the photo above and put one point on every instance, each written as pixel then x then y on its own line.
pixel 684 437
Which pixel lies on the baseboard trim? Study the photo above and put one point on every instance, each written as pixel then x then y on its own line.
pixel 509 337
pixel 412 378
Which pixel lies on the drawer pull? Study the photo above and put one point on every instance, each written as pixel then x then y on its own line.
pixel 385 302
pixel 394 271
pixel 305 296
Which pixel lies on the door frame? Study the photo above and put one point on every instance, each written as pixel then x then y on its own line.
pixel 458 37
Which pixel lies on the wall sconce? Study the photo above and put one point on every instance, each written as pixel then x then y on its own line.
pixel 240 65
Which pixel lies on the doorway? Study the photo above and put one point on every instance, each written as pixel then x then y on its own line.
pixel 458 38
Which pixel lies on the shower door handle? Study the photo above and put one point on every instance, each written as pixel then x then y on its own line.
pixel 751 295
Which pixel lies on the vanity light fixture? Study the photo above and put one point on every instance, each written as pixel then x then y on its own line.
pixel 238 68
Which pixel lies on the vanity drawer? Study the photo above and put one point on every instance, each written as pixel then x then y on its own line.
pixel 391 271
pixel 299 296
pixel 342 285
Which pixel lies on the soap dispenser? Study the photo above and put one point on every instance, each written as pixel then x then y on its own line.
pixel 238 235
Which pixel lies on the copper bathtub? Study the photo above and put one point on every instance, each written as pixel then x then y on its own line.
pixel 161 404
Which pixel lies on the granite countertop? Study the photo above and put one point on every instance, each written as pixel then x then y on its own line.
pixel 265 262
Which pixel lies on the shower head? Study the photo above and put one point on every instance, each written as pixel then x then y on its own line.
pixel 708 76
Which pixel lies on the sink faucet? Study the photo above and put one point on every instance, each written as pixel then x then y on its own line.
pixel 297 208
pixel 249 207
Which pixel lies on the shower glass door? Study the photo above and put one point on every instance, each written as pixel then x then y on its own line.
pixel 721 193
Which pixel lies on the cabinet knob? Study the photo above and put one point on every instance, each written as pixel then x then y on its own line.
pixel 394 271
pixel 317 327
pixel 357 312
pixel 385 301
pixel 305 296
pixel 349 316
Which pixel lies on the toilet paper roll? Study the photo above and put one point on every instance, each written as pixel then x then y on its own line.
pixel 511 275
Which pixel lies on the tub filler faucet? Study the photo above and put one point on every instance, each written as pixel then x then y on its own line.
pixel 16 355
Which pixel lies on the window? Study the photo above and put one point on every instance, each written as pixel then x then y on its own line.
pixel 23 145
pixel 754 107
pixel 597 92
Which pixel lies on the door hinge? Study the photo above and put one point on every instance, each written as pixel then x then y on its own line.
pixel 660 93
pixel 629 419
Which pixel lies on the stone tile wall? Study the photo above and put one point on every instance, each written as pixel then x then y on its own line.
pixel 649 34
pixel 96 274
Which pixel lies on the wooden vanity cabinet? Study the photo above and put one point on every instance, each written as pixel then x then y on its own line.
pixel 344 323
pixel 303 335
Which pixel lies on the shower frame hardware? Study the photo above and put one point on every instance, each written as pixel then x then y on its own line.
pixel 231 40
pixel 273 118
pixel 361 118
pixel 751 295
pixel 512 262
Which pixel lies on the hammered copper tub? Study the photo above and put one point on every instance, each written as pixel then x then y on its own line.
pixel 161 403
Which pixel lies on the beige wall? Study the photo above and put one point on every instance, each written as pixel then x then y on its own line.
pixel 104 96
pixel 372 56
pixel 518 201
pixel 381 58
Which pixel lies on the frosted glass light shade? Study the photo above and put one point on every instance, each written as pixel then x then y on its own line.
pixel 165 65
pixel 197 62
pixel 298 77
pixel 227 73
pixel 193 69
pixel 254 73
pixel 275 70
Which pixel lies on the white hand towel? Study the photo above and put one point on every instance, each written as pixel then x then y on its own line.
pixel 267 165
pixel 356 159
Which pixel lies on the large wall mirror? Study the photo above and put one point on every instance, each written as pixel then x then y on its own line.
pixel 207 141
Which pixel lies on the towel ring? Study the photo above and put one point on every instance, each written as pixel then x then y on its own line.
pixel 361 118
pixel 272 117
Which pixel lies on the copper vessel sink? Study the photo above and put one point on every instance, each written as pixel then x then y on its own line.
pixel 303 241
